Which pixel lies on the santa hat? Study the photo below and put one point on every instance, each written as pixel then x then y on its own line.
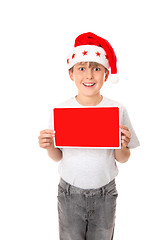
pixel 89 47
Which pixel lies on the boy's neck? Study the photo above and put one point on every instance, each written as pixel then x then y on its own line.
pixel 89 101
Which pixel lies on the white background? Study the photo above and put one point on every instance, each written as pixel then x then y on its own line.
pixel 35 38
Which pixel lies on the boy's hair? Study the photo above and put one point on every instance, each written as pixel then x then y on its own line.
pixel 91 64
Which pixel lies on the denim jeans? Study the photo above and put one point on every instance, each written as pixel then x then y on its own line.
pixel 86 214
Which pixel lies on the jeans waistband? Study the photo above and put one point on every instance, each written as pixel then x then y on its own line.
pixel 72 189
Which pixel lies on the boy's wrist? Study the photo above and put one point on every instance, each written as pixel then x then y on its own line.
pixel 122 155
pixel 51 148
pixel 124 147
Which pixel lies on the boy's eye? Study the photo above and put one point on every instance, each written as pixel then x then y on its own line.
pixel 81 68
pixel 97 69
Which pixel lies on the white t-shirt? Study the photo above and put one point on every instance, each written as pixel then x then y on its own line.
pixel 91 168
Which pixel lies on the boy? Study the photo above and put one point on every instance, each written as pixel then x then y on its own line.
pixel 87 190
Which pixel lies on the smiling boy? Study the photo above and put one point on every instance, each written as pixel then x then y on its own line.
pixel 87 190
pixel 89 78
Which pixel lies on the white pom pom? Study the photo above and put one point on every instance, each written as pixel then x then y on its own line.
pixel 113 78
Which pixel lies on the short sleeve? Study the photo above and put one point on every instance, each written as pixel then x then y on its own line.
pixel 134 142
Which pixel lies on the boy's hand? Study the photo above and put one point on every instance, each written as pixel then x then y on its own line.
pixel 125 136
pixel 46 139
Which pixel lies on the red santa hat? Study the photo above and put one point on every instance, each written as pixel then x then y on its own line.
pixel 89 47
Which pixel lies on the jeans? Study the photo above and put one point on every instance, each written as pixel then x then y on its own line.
pixel 86 214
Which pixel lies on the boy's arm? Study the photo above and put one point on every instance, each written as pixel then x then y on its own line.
pixel 46 142
pixel 122 155
pixel 55 154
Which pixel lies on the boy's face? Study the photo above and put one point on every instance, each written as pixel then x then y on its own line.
pixel 88 79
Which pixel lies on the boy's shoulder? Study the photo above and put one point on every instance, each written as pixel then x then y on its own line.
pixel 107 102
pixel 111 102
pixel 68 102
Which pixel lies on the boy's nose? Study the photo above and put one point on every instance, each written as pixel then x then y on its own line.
pixel 89 74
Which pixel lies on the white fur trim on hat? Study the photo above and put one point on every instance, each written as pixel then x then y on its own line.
pixel 113 78
pixel 87 53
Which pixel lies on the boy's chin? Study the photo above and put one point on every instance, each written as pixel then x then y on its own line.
pixel 90 95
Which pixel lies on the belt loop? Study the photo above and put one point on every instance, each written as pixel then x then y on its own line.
pixel 68 189
pixel 103 191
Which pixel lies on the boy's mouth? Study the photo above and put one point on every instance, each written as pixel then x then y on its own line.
pixel 88 84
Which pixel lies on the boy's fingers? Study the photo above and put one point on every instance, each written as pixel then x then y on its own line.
pixel 46 140
pixel 123 127
pixel 125 131
pixel 45 145
pixel 124 143
pixel 47 131
pixel 126 139
pixel 47 135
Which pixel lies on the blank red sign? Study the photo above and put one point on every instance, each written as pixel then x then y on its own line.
pixel 92 127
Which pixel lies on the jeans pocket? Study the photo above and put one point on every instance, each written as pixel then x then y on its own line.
pixel 61 191
pixel 110 202
pixel 112 192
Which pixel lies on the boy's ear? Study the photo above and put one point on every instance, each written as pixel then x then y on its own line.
pixel 71 75
pixel 106 76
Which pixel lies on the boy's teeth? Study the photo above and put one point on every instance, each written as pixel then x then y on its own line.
pixel 88 84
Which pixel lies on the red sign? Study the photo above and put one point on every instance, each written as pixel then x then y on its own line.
pixel 88 127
